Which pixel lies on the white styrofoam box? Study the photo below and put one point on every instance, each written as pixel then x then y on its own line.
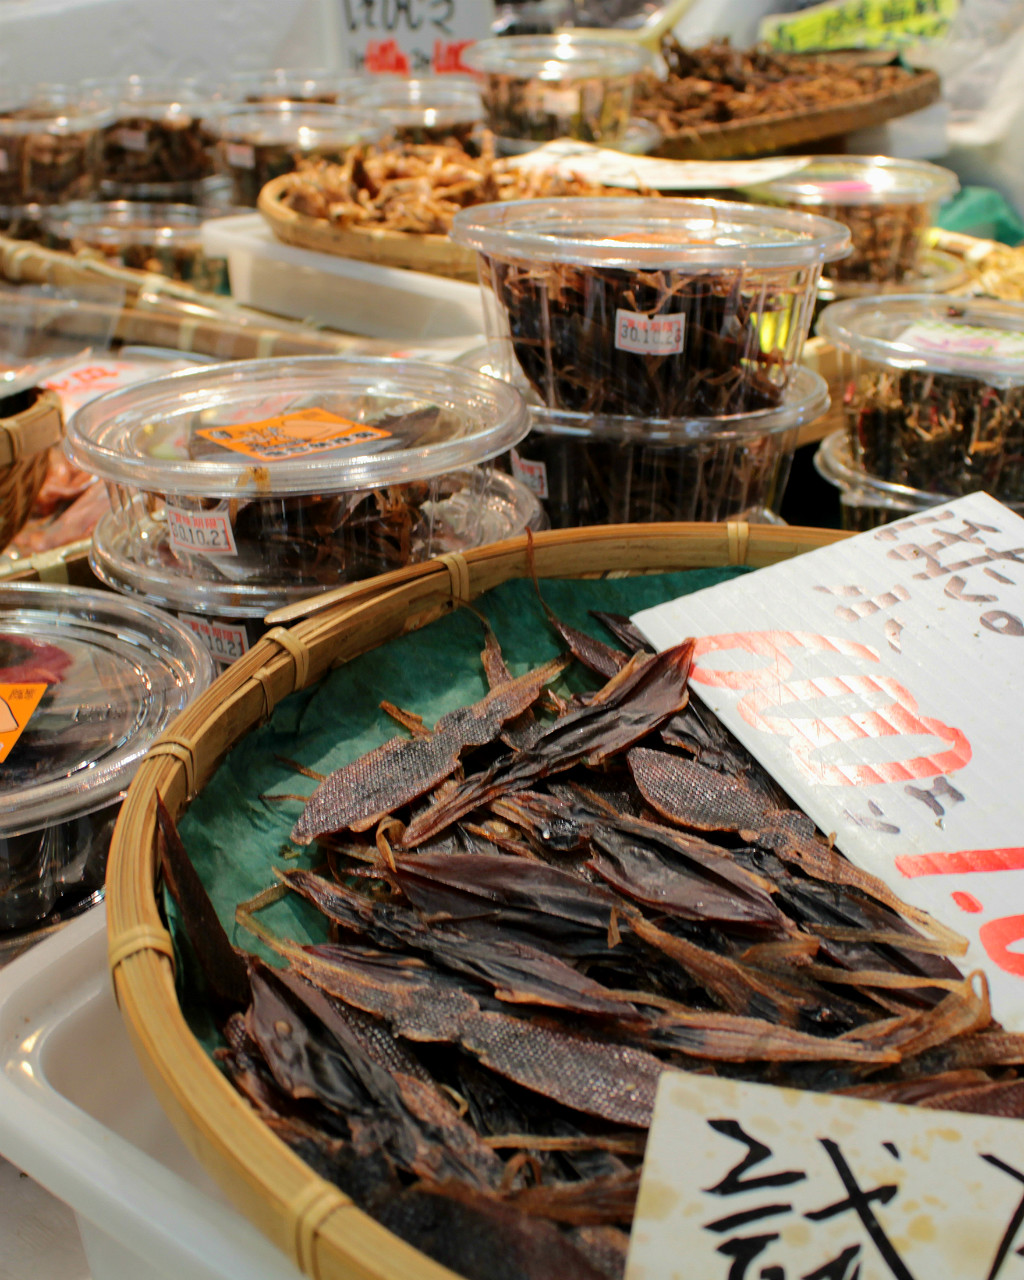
pixel 355 297
pixel 78 1116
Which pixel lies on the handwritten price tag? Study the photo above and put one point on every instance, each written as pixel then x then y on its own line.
pixel 208 532
pixel 881 682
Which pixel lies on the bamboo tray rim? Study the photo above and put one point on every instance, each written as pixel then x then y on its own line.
pixel 313 1222
pixel 24 435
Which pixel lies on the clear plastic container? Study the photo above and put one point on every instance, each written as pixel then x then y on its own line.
pixel 49 147
pixel 136 558
pixel 887 203
pixel 258 143
pixel 866 502
pixel 165 239
pixel 587 469
pixel 292 84
pixel 110 675
pixel 651 308
pixel 314 470
pixel 157 144
pixel 933 390
pixel 564 85
pixel 441 109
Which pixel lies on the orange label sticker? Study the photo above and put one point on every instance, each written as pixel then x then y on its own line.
pixel 17 703
pixel 299 434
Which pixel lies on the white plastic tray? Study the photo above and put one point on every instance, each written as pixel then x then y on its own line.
pixel 355 297
pixel 78 1116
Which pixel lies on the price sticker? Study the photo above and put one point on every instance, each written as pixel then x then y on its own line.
pixel 223 639
pixel 240 155
pixel 208 532
pixel 17 704
pixel 649 335
pixel 131 139
pixel 533 474
pixel 300 434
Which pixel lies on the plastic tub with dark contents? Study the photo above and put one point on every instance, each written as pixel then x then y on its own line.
pixel 88 681
pixel 49 146
pixel 315 470
pixel 136 558
pixel 432 110
pixel 648 308
pixel 933 391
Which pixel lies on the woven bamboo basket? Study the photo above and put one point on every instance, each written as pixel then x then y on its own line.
pixel 26 435
pixel 432 253
pixel 307 1218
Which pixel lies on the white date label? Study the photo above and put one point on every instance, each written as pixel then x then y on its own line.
pixel 648 335
pixel 206 532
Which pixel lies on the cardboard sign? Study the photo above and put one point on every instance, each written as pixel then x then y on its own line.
pixel 299 434
pixel 409 37
pixel 881 682
pixel 859 24
pixel 755 1181
pixel 570 157
pixel 17 703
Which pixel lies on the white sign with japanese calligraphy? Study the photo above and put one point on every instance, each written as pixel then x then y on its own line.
pixel 410 37
pixel 881 681
pixel 747 1180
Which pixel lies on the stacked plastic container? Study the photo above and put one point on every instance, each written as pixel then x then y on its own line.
pixel 241 488
pixel 657 342
pixel 933 393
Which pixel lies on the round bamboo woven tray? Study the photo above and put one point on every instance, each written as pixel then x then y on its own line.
pixel 25 439
pixel 766 135
pixel 432 253
pixel 310 1220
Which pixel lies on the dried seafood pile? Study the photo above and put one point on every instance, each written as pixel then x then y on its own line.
pixel 530 918
pixel 418 188
pixel 887 240
pixel 716 83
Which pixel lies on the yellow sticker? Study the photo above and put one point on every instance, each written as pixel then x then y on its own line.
pixel 299 434
pixel 17 703
pixel 863 24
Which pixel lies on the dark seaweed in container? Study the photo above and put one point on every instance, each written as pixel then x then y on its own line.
pixel 565 327
pixel 939 432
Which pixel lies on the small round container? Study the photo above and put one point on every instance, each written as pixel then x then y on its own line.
pixel 866 502
pixel 157 145
pixel 292 84
pixel 258 143
pixel 587 469
pixel 933 391
pixel 437 110
pixel 313 471
pixel 651 308
pixel 135 557
pixel 49 147
pixel 887 203
pixel 566 85
pixel 165 239
pixel 112 675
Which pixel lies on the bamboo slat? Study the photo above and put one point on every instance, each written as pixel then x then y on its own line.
pixel 25 439
pixel 307 1218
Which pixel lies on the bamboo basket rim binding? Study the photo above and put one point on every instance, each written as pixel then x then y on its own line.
pixel 310 1220
pixel 25 439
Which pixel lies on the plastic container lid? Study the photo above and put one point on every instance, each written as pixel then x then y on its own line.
pixel 291 84
pixel 120 222
pixel 118 673
pixel 861 180
pixel 978 338
pixel 309 425
pixel 148 568
pixel 665 232
pixel 432 101
pixel 307 125
pixel 562 56
pixel 152 96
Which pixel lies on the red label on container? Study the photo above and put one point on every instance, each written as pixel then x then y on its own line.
pixel 208 532
pixel 649 335
pixel 292 435
pixel 17 703
pixel 225 641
